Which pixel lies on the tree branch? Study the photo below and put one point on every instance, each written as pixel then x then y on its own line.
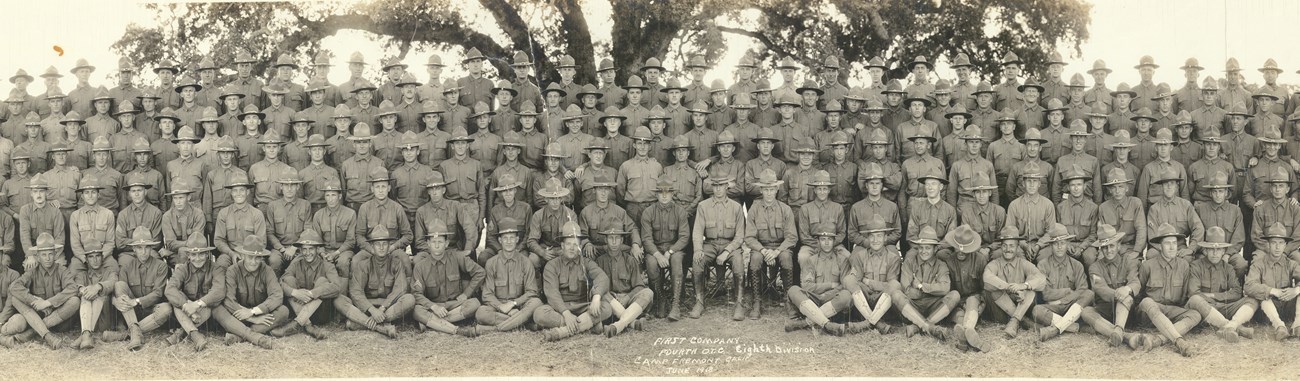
pixel 766 41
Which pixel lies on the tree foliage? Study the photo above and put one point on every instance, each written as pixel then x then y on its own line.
pixel 671 30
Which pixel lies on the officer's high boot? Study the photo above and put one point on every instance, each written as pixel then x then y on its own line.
pixel 698 309
pixel 656 308
pixel 675 299
pixel 757 280
pixel 787 276
pixel 738 313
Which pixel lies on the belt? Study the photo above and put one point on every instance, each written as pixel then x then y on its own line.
pixel 717 240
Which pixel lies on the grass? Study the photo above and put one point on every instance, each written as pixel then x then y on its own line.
pixel 414 354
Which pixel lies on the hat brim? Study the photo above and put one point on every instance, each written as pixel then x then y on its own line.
pixel 143 243
pixel 178 192
pixel 1214 245
pixel 951 240
pixel 1040 89
pixel 924 241
pixel 1157 239
pixel 1112 240
pixel 1124 181
pixel 259 253
pixel 554 194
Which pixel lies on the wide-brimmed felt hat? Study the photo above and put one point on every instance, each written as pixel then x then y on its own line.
pixel 436 180
pixel 958 110
pixel 553 188
pixel 1099 66
pixel 1165 176
pixel 553 149
pixel 45 241
pixel 679 141
pixel 1056 232
pixel 506 182
pixel 964 239
pixel 1215 238
pixel 1276 230
pixel 1280 175
pixel 380 233
pixel 1124 88
pixel 1031 170
pixel 665 185
pixel 181 187
pixel 1167 230
pixel 980 181
pixel 89 183
pixel 1010 232
pixel 309 237
pixel 196 243
pixel 509 225
pixel 1116 176
pixel 767 178
pixel 876 224
pixel 1107 235
pixel 1031 83
pixel 140 236
pixel 824 229
pixel 1122 140
pixel 927 236
pixel 379 175
pixel 239 180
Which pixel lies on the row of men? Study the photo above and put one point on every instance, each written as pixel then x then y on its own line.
pixel 1176 287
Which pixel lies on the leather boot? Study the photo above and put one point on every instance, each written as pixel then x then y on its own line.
pixel 674 301
pixel 698 309
pixel 787 276
pixel 738 313
pixel 756 280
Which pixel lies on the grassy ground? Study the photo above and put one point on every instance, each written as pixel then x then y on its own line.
pixel 363 354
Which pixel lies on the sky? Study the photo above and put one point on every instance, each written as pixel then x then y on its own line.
pixel 1121 32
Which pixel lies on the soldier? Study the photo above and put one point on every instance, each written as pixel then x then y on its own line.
pixel 236 221
pixel 636 176
pixel 1077 160
pixel 795 190
pixel 44 297
pixel 340 132
pixel 109 177
pixel 686 180
pixel 1207 115
pixel 383 211
pixel 1162 164
pixel 179 222
pixel 458 219
pixel 217 192
pixel 39 217
pixel 63 180
pixel 891 174
pixel 93 278
pixel 1126 214
pixel 1008 91
pixel 1216 292
pixel 1218 212
pixel 930 211
pixel 410 176
pixel 770 236
pixel 91 227
pixel 1031 212
pixel 378 290
pixel 574 286
pixel 820 211
pixel 510 296
pixel 443 283
pixel 665 232
pixel 820 295
pixel 337 224
pixel 249 136
pixel 1007 150
pixel 1176 212
pixel 718 233
pixel 962 173
pixel 1078 214
pixel 254 303
pixel 1164 277
pixel 765 140
pixel 925 296
pixel 966 263
pixel 628 295
pixel 509 207
pixel 187 167
pixel 317 173
pixel 873 276
pixel 356 170
pixel 1066 292
pixel 433 140
pixel 288 217
pixel 543 227
pixel 138 214
pixel 141 281
pixel 1115 287
pixel 512 146
pixel 466 177
pixel 1271 280
pixel 1011 281
pixel 1204 170
pixel 982 216
pixel 143 173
